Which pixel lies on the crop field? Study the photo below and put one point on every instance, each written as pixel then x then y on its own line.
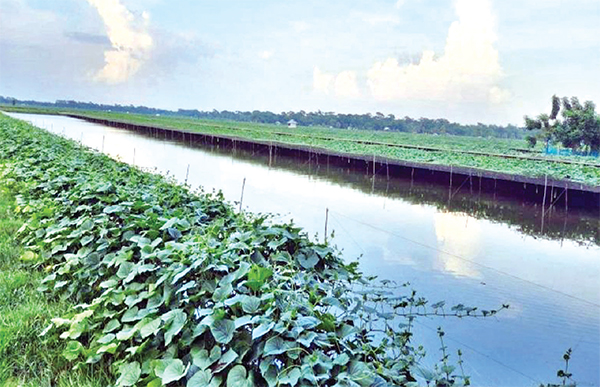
pixel 484 154
pixel 176 287
pixel 490 154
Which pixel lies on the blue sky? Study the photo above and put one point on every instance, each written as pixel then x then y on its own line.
pixel 469 61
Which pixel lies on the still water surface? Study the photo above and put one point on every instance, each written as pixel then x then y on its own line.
pixel 475 249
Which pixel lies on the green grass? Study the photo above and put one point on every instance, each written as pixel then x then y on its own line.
pixel 25 358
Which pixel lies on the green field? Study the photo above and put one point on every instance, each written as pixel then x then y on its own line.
pixel 490 154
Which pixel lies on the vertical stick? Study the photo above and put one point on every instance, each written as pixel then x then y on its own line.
pixel 102 144
pixel 544 200
pixel 450 187
pixel 187 173
pixel 373 165
pixel 326 220
pixel 242 197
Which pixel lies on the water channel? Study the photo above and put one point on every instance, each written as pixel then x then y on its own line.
pixel 476 249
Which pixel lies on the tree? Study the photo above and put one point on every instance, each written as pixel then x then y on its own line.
pixel 579 128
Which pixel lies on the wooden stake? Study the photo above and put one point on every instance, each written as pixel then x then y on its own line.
pixel 187 173
pixel 373 165
pixel 103 143
pixel 326 220
pixel 450 187
pixel 242 197
pixel 544 200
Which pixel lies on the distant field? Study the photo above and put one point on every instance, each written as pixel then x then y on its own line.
pixel 493 154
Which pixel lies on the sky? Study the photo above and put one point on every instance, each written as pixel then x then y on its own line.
pixel 468 61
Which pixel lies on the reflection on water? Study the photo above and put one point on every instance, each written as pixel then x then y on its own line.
pixel 477 249
pixel 456 239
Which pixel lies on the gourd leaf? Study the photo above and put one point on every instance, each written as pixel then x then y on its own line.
pixel 178 320
pixel 308 261
pixel 257 277
pixel 174 371
pixel 222 330
pixel 129 374
pixel 200 379
pixel 262 329
pixel 275 346
pixel 251 304
pixel 72 350
pixel 237 377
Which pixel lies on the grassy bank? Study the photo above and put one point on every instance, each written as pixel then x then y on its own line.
pixel 25 358
pixel 176 287
pixel 492 154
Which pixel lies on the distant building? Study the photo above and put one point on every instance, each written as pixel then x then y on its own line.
pixel 386 128
pixel 292 123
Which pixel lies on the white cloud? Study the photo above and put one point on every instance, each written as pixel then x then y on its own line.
pixel 498 95
pixel 321 81
pixel 400 3
pixel 469 68
pixel 345 85
pixel 130 41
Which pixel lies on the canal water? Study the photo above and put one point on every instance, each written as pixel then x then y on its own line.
pixel 474 248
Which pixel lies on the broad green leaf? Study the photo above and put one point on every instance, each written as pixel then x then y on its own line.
pixel 290 377
pixel 109 284
pixel 341 360
pixel 72 350
pixel 307 338
pixel 222 330
pixel 227 358
pixel 87 225
pixel 87 239
pixel 202 359
pixel 129 374
pixel 130 315
pixel 308 261
pixel 275 346
pixel 125 269
pixel 257 277
pixel 241 321
pixel 174 371
pixel 222 292
pixel 113 209
pixel 262 329
pixel 126 333
pixel 360 373
pixel 106 338
pixel 251 304
pixel 236 377
pixel 110 348
pixel 111 326
pixel 177 323
pixel 200 379
pixel 150 326
pixel 155 383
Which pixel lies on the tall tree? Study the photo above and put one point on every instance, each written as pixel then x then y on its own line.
pixel 577 129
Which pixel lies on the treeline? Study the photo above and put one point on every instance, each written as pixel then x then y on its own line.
pixel 377 121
